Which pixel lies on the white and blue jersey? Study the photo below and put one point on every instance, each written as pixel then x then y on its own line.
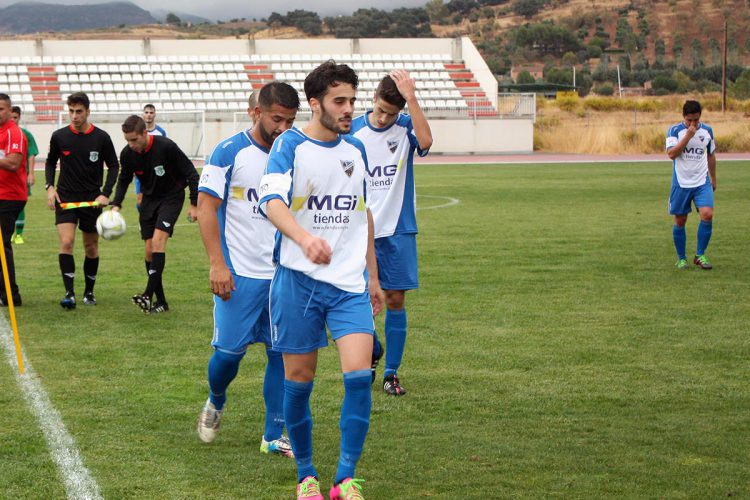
pixel 690 169
pixel 390 173
pixel 232 174
pixel 324 186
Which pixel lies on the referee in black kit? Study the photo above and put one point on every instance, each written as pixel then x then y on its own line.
pixel 82 149
pixel 164 171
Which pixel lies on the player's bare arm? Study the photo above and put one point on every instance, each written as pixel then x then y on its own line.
pixel 377 296
pixel 12 162
pixel 317 250
pixel 407 87
pixel 676 150
pixel 219 276
pixel 712 170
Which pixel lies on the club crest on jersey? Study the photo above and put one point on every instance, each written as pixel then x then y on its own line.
pixel 93 156
pixel 701 139
pixel 348 167
pixel 159 170
pixel 393 145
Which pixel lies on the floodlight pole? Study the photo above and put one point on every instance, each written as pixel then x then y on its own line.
pixel 724 72
pixel 619 85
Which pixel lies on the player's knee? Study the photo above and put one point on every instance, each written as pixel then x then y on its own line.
pixel 707 214
pixel 66 246
pixel 394 299
pixel 680 221
pixel 299 373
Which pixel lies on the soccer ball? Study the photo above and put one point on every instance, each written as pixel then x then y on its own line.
pixel 110 225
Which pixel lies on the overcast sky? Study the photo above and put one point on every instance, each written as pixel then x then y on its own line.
pixel 228 9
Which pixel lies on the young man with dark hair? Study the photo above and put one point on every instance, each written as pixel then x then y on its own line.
pixel 82 149
pixel 239 243
pixel 33 150
pixel 149 116
pixel 13 191
pixel 692 149
pixel 164 171
pixel 314 192
pixel 391 138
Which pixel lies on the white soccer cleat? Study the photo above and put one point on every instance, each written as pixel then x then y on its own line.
pixel 208 422
pixel 281 446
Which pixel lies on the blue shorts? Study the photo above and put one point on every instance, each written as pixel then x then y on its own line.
pixel 243 319
pixel 302 307
pixel 397 262
pixel 680 198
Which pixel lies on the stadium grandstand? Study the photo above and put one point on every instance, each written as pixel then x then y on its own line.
pixel 200 87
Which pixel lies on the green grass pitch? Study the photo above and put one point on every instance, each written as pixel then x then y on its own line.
pixel 553 351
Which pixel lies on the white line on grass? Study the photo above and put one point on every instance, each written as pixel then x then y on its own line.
pixel 449 203
pixel 79 484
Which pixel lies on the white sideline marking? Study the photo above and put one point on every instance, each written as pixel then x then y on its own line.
pixel 449 203
pixel 79 484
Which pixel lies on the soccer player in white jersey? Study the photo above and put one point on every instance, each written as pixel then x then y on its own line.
pixel 692 149
pixel 314 191
pixel 149 116
pixel 391 138
pixel 239 242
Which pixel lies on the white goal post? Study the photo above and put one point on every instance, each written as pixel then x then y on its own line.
pixel 186 128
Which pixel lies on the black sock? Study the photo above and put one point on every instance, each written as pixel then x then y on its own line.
pixel 154 276
pixel 68 271
pixel 90 267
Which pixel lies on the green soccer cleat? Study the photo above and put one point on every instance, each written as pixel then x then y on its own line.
pixel 309 489
pixel 682 264
pixel 348 489
pixel 702 262
pixel 281 446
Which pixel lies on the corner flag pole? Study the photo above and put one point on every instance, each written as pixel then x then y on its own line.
pixel 11 308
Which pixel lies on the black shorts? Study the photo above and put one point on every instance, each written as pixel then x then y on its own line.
pixel 160 213
pixel 85 218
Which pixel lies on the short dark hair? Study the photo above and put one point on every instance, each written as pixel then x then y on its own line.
pixel 328 74
pixel 147 106
pixel 279 93
pixel 5 97
pixel 16 109
pixel 691 107
pixel 134 123
pixel 388 91
pixel 78 98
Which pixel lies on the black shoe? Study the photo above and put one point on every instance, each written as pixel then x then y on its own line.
pixel 89 299
pixel 69 301
pixel 16 301
pixel 392 387
pixel 159 307
pixel 143 302
pixel 376 348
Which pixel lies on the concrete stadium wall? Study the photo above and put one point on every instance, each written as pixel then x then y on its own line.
pixel 450 136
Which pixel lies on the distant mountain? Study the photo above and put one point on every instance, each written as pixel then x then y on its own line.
pixel 32 17
pixel 161 16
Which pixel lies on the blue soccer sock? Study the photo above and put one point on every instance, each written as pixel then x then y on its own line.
pixel 273 395
pixel 299 425
pixel 355 421
pixel 377 347
pixel 222 368
pixel 395 340
pixel 679 237
pixel 705 228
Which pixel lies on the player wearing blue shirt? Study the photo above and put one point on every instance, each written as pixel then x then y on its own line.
pixel 314 191
pixel 692 149
pixel 149 116
pixel 391 138
pixel 239 242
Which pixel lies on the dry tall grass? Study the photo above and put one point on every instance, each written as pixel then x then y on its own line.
pixel 631 126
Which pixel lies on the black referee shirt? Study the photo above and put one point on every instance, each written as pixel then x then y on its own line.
pixel 162 168
pixel 82 157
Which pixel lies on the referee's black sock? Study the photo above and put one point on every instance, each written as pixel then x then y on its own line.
pixel 68 271
pixel 90 268
pixel 154 276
